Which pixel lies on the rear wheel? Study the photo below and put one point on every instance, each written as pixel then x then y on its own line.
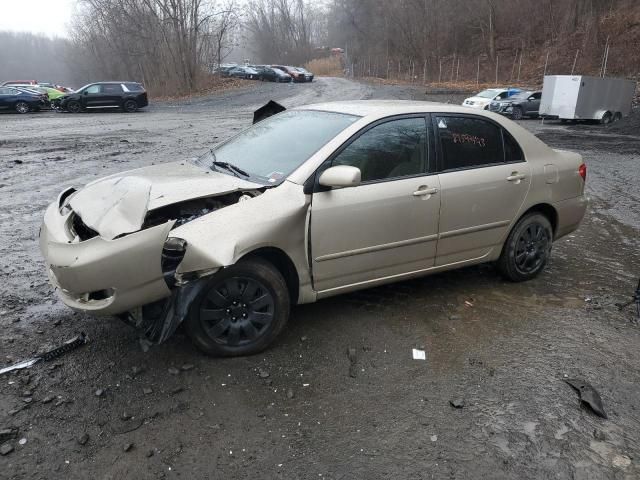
pixel 617 116
pixel 130 106
pixel 527 249
pixel 22 107
pixel 606 118
pixel 73 106
pixel 240 311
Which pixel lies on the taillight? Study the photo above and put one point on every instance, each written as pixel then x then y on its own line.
pixel 582 170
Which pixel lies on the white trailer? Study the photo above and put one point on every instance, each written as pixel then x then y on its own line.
pixel 579 97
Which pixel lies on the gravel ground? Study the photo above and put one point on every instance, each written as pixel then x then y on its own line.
pixel 305 408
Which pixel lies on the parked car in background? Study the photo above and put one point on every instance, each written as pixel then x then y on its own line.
pixel 228 242
pixel 523 104
pixel 295 75
pixel 19 82
pixel 128 96
pixel 224 68
pixel 37 91
pixel 308 76
pixel 247 73
pixel 266 73
pixel 20 101
pixel 51 92
pixel 484 98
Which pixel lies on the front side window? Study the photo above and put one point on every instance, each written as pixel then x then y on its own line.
pixel 273 148
pixel 467 142
pixel 93 89
pixel 389 150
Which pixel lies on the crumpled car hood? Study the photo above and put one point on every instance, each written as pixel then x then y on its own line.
pixel 118 204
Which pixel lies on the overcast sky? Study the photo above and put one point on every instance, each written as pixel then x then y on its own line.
pixel 38 16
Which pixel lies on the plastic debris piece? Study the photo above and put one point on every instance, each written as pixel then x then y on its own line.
pixel 588 395
pixel 419 354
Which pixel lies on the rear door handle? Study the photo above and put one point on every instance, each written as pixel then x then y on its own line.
pixel 516 177
pixel 424 191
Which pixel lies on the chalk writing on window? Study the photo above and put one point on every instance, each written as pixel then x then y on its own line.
pixel 466 138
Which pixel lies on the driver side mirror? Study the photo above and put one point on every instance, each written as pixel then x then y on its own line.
pixel 340 176
pixel 86 92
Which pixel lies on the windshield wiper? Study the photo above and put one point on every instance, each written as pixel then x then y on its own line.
pixel 231 168
pixel 226 165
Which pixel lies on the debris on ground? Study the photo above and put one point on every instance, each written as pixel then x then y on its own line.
pixel 83 439
pixel 457 402
pixel 290 393
pixel 262 373
pixel 419 354
pixel 8 434
pixel 99 392
pixel 634 299
pixel 173 371
pixel 67 346
pixel 6 449
pixel 127 447
pixel 353 358
pixel 588 395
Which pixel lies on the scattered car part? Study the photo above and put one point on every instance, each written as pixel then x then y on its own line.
pixel 588 395
pixel 267 110
pixel 67 346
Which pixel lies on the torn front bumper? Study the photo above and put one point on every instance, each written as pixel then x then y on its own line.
pixel 100 276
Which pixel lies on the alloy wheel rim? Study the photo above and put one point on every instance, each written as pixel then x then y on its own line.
pixel 237 311
pixel 22 107
pixel 73 107
pixel 130 105
pixel 532 248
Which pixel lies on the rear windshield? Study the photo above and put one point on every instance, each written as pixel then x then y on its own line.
pixel 270 150
pixel 134 87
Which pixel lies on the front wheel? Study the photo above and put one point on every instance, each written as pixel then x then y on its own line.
pixel 527 249
pixel 240 311
pixel 73 106
pixel 517 113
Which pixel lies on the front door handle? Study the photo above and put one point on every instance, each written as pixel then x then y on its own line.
pixel 422 191
pixel 516 177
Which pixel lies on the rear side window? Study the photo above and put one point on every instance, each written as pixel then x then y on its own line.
pixel 111 88
pixel 512 151
pixel 467 142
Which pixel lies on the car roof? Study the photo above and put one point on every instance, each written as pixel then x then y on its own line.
pixel 384 108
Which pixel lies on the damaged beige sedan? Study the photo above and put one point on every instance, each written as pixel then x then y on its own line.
pixel 309 203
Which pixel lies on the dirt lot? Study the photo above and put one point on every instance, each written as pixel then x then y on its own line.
pixel 301 410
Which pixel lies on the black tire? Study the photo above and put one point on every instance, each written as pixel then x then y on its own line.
pixel 22 107
pixel 517 113
pixel 219 327
pixel 130 106
pixel 606 118
pixel 73 106
pixel 527 249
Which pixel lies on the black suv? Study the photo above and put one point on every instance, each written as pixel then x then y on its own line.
pixel 129 96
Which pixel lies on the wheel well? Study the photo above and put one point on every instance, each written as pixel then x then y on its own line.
pixel 548 211
pixel 285 266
